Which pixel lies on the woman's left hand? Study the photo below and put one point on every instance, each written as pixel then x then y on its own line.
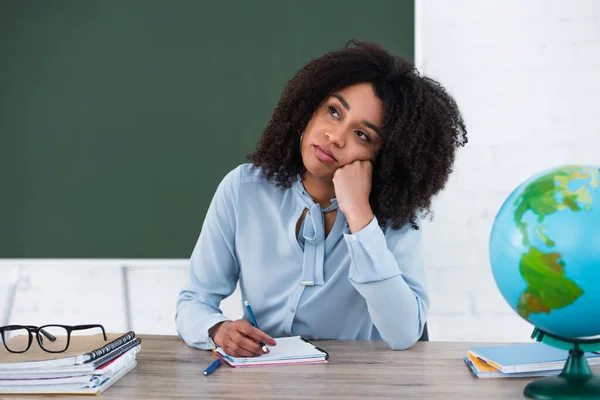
pixel 352 184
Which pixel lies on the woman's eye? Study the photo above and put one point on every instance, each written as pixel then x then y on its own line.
pixel 333 112
pixel 363 136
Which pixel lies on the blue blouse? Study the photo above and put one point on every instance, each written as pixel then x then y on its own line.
pixel 365 285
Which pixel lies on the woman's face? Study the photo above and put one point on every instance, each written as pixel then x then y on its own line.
pixel 345 128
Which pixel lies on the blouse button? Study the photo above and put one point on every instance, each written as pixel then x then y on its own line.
pixel 353 237
pixel 292 309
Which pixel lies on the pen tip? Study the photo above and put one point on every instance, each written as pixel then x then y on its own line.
pixel 264 348
pixel 205 373
pixel 246 302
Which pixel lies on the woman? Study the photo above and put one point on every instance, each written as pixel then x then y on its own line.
pixel 322 229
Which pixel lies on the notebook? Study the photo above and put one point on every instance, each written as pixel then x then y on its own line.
pixel 289 350
pixel 107 368
pixel 526 357
pixel 82 349
pixel 87 380
pixel 483 370
pixel 90 388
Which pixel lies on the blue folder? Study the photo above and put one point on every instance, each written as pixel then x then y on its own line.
pixel 526 357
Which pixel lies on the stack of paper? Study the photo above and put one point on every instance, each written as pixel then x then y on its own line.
pixel 89 366
pixel 520 360
pixel 289 350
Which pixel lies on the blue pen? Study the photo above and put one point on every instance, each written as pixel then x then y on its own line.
pixel 253 320
pixel 214 365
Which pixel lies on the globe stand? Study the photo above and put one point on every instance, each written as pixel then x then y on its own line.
pixel 576 381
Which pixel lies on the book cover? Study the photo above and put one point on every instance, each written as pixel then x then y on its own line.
pixel 82 349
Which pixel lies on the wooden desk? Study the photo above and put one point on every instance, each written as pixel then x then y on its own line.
pixel 168 369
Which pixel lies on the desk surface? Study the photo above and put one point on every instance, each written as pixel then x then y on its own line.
pixel 168 368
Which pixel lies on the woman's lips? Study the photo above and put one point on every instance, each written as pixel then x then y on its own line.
pixel 324 155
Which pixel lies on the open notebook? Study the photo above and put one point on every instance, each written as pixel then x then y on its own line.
pixel 289 350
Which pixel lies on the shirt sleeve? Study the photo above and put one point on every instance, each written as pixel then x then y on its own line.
pixel 213 269
pixel 388 270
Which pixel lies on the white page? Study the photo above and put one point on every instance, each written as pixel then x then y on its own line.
pixel 287 348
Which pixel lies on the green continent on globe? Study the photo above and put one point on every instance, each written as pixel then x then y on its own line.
pixel 547 286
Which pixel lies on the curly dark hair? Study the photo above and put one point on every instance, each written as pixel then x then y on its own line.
pixel 422 127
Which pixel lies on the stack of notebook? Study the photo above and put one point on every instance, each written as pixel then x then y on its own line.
pixel 289 350
pixel 520 360
pixel 89 366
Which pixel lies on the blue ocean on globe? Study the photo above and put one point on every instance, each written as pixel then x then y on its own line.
pixel 545 251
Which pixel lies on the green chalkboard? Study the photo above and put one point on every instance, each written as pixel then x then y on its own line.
pixel 118 118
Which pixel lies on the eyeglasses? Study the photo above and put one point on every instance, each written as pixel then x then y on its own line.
pixel 51 338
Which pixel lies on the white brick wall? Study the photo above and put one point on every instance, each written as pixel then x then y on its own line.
pixel 68 293
pixel 93 291
pixel 526 75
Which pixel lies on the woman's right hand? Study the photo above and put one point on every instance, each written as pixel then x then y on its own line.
pixel 239 338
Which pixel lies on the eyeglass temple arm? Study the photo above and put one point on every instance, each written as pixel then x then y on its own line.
pixel 82 327
pixel 44 332
pixel 48 335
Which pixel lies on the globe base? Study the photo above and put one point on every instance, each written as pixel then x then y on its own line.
pixel 563 388
pixel 576 381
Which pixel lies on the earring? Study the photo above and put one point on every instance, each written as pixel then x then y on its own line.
pixel 300 146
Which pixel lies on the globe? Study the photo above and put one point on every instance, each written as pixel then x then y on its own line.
pixel 545 251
